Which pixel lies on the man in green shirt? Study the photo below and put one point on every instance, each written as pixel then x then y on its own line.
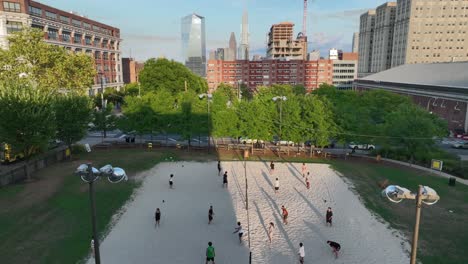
pixel 210 253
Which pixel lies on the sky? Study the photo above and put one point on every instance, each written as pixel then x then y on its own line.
pixel 151 28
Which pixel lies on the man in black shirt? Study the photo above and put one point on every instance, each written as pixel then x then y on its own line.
pixel 225 180
pixel 335 246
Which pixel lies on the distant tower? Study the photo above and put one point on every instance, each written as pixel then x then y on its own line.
pixel 232 47
pixel 243 53
pixel 304 20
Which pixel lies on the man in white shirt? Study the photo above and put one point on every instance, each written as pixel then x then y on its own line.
pixel 301 253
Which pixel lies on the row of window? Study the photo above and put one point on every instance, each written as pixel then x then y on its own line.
pixel 11 7
pixel 66 20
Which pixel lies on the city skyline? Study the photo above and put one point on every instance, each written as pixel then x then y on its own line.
pixel 152 29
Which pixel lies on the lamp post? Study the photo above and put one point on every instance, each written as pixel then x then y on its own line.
pixel 208 99
pixel 280 99
pixel 238 89
pixel 101 74
pixel 89 174
pixel 246 156
pixel 425 194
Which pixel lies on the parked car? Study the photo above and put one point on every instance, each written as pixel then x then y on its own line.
pixel 460 134
pixel 245 140
pixel 355 146
pixel 460 145
pixel 278 142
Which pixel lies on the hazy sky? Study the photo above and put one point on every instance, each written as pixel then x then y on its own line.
pixel 151 28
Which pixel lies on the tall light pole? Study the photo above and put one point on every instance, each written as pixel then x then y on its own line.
pixel 280 99
pixel 246 156
pixel 89 174
pixel 208 99
pixel 238 89
pixel 425 195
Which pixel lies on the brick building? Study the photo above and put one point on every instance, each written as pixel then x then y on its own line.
pixel 69 30
pixel 440 88
pixel 267 72
pixel 130 70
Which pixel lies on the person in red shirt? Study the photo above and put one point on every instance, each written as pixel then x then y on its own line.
pixel 285 214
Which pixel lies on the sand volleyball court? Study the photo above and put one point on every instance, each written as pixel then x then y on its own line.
pixel 184 231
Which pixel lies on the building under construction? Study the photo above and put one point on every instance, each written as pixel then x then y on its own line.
pixel 281 42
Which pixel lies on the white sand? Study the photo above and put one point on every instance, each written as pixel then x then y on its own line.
pixel 184 232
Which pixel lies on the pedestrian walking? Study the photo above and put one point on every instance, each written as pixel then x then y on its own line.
pixel 307 183
pixel 210 253
pixel 171 181
pixel 219 168
pixel 240 231
pixel 329 216
pixel 272 167
pixel 157 217
pixel 335 247
pixel 271 227
pixel 285 214
pixel 210 214
pixel 301 253
pixel 304 169
pixel 225 180
pixel 92 246
pixel 276 185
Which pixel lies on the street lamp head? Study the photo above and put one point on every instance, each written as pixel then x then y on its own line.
pixel 396 194
pixel 430 196
pixel 84 174
pixel 279 98
pixel 117 175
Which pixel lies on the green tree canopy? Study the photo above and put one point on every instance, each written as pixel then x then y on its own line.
pixel 27 118
pixel 73 114
pixel 30 59
pixel 163 74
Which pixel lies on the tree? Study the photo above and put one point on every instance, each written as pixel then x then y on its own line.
pixel 73 114
pixel 132 89
pixel 30 60
pixel 413 129
pixel 138 116
pixel 104 120
pixel 27 119
pixel 159 74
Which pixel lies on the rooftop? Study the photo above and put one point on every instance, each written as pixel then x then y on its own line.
pixel 451 74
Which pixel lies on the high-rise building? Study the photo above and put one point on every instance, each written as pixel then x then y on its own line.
pixel 383 37
pixel 243 53
pixel 314 55
pixel 131 70
pixel 267 72
pixel 69 30
pixel 281 43
pixel 232 47
pixel 423 32
pixel 345 70
pixel 366 40
pixel 194 43
pixel 355 48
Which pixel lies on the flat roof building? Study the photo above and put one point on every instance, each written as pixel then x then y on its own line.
pixel 281 43
pixel 71 31
pixel 440 88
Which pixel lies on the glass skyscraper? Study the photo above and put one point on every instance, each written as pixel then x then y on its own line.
pixel 194 43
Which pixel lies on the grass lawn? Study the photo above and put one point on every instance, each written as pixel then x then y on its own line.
pixel 443 234
pixel 41 224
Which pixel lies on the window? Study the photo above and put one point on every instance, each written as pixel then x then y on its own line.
pixel 97 42
pixel 11 7
pixel 64 19
pixel 88 40
pixel 76 23
pixel 51 15
pixel 77 39
pixel 13 26
pixel 52 33
pixel 86 25
pixel 66 36
pixel 35 11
